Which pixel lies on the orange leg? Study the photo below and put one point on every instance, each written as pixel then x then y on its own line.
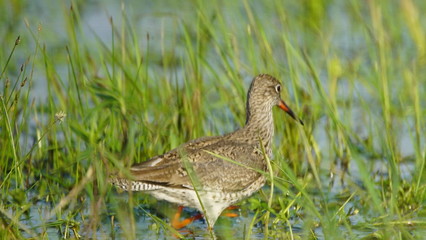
pixel 232 207
pixel 229 214
pixel 177 224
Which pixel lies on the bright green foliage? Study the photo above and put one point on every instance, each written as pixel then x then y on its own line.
pixel 89 88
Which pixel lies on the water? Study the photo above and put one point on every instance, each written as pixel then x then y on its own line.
pixel 161 22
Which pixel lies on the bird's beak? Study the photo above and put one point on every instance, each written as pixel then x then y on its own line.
pixel 284 107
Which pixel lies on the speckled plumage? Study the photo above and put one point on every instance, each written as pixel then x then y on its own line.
pixel 220 183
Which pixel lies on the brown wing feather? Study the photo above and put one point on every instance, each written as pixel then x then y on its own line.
pixel 172 155
pixel 169 169
pixel 214 173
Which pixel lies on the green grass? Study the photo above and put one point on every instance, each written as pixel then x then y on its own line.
pixel 166 72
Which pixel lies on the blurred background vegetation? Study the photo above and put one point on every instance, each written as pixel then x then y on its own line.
pixel 89 87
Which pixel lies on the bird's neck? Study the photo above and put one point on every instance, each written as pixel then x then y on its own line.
pixel 260 124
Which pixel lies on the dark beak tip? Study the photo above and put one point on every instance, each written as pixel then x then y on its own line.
pixel 284 107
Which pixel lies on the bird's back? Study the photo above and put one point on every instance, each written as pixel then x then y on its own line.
pixel 216 164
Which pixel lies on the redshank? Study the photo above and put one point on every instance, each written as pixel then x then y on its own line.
pixel 199 174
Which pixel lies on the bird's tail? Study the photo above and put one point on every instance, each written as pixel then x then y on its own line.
pixel 131 185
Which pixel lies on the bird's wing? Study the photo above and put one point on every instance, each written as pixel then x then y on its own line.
pixel 210 171
pixel 234 169
pixel 171 156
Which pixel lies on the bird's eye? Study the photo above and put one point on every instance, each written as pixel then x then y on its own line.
pixel 278 88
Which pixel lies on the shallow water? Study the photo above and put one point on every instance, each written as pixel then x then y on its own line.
pixel 159 20
pixel 148 228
